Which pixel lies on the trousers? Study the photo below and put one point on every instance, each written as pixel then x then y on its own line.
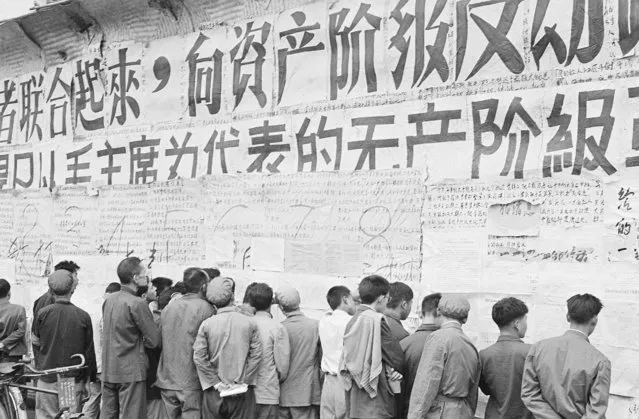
pixel 123 400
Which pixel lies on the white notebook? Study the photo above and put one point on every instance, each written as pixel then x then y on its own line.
pixel 234 390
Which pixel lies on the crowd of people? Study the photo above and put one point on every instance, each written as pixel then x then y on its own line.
pixel 187 351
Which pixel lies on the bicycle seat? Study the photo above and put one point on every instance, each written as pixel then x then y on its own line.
pixel 9 367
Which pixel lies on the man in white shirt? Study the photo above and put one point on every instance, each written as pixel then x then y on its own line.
pixel 331 333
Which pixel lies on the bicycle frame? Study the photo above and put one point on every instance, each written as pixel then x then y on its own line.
pixel 13 379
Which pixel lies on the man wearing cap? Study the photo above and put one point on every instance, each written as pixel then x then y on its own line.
pixel 128 328
pixel 300 393
pixel 48 298
pixel 227 353
pixel 448 374
pixel 62 330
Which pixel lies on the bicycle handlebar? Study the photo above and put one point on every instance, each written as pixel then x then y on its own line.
pixel 32 371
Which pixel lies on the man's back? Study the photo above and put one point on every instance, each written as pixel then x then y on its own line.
pixel 126 320
pixel 448 375
pixel 180 324
pixel 502 369
pixel 413 347
pixel 360 405
pixel 227 348
pixel 64 330
pixel 302 387
pixel 566 376
pixel 461 373
pixel 331 329
pixel 274 365
pixel 13 320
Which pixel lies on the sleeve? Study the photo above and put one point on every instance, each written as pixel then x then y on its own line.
pixel 531 391
pixel 282 353
pixel 473 395
pixel 428 378
pixel 599 392
pixel 206 371
pixel 254 356
pixel 35 334
pixel 392 353
pixel 17 335
pixel 89 350
pixel 35 314
pixel 483 384
pixel 143 319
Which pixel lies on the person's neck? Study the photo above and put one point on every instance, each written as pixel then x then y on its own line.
pixel 66 298
pixel 291 312
pixel 509 333
pixel 267 311
pixel 447 320
pixel 583 328
pixel 374 306
pixel 131 286
pixel 393 313
pixel 4 300
pixel 429 320
pixel 342 309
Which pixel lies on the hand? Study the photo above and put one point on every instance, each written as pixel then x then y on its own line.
pixel 220 387
pixel 395 376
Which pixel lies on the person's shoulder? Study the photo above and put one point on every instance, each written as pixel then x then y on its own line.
pixel 311 322
pixel 409 341
pixel 17 307
pixel 523 347
pixel 599 356
pixel 546 343
pixel 488 351
pixel 46 309
pixel 81 312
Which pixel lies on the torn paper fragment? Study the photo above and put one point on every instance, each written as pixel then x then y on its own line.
pixel 518 218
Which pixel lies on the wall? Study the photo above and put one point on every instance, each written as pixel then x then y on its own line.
pixel 486 148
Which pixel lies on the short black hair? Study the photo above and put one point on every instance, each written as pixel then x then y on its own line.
pixel 372 287
pixel 399 292
pixel 179 287
pixel 246 292
pixel 583 307
pixel 112 287
pixel 508 309
pixel 259 296
pixel 129 268
pixel 161 283
pixel 335 295
pixel 5 287
pixel 430 303
pixel 194 278
pixel 212 272
pixel 67 265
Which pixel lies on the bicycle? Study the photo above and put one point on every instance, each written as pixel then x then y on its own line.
pixel 12 379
